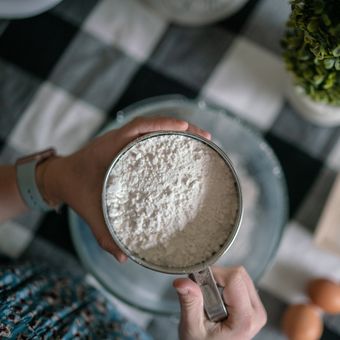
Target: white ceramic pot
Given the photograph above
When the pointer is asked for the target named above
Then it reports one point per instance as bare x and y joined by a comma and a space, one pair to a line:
15, 9
195, 12
315, 112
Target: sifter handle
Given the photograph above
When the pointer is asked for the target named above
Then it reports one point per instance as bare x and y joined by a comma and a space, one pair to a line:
213, 302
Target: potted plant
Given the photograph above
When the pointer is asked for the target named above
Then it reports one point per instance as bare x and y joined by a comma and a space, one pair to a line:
312, 56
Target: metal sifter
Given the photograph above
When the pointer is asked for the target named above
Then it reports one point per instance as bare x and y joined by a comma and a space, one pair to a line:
200, 272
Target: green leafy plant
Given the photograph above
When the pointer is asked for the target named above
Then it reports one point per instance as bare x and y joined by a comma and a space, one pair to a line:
312, 48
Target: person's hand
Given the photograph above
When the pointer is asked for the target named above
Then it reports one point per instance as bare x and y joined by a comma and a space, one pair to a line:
246, 312
77, 180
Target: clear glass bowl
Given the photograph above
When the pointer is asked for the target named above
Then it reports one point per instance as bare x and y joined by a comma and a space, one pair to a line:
265, 207
196, 12
15, 9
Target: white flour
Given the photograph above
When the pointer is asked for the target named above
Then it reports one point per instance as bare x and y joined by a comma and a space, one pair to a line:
172, 200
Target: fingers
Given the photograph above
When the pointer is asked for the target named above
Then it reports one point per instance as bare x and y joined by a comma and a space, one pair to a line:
105, 240
196, 130
143, 125
192, 312
236, 297
254, 296
108, 245
246, 312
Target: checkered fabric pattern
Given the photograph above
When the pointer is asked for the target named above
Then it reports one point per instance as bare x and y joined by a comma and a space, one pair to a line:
64, 74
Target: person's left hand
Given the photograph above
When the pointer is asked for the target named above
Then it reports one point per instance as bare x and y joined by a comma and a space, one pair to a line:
77, 180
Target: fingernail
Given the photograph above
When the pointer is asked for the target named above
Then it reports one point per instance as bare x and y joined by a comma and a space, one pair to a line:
122, 258
182, 291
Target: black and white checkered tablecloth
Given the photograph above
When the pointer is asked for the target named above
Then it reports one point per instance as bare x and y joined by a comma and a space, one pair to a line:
66, 73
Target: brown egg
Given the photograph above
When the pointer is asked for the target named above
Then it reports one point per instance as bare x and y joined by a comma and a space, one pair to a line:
325, 294
302, 322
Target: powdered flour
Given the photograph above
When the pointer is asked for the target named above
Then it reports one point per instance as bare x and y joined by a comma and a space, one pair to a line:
172, 200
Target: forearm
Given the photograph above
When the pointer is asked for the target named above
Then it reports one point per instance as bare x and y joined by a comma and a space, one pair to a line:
11, 203
48, 175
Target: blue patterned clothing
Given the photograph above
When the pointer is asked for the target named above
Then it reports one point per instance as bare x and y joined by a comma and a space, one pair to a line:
36, 303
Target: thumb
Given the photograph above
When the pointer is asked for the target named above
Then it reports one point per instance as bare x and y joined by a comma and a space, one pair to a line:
192, 312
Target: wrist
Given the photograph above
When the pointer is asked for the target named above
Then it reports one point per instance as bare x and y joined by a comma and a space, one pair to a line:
49, 180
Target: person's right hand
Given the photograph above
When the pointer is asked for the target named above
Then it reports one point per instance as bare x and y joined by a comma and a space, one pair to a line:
246, 314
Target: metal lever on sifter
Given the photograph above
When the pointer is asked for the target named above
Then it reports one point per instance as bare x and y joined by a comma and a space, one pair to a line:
212, 295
